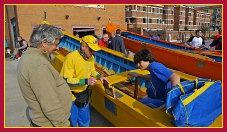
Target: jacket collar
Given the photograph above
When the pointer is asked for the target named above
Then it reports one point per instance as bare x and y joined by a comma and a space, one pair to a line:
32, 50
82, 54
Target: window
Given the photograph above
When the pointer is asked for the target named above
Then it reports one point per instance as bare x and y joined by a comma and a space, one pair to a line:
150, 20
206, 10
219, 9
144, 20
138, 8
126, 8
83, 31
181, 13
152, 10
164, 11
218, 16
181, 22
135, 7
197, 15
131, 20
144, 8
189, 14
159, 21
159, 10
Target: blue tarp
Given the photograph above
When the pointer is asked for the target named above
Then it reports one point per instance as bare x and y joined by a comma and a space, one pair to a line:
195, 103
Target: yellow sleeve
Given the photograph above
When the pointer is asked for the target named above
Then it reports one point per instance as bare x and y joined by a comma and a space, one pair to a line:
94, 73
68, 70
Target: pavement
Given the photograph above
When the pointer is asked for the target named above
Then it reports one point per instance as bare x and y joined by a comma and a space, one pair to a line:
16, 112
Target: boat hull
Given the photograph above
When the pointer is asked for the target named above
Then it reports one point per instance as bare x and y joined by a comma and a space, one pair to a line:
194, 64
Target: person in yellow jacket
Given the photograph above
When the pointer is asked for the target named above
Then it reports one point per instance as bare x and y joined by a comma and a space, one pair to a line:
79, 70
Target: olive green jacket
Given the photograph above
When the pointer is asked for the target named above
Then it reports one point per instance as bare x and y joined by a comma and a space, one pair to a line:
47, 94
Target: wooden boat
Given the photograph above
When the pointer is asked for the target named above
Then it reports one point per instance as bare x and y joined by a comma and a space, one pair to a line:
123, 109
195, 64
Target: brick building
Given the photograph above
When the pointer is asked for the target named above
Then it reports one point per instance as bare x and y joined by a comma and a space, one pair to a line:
85, 19
215, 17
144, 17
168, 20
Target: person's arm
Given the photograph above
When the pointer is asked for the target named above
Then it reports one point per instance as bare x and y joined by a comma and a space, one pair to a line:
25, 44
203, 42
122, 46
174, 79
43, 85
145, 77
188, 43
190, 39
67, 73
214, 43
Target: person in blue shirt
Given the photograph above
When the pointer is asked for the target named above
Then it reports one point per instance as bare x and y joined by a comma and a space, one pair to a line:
161, 79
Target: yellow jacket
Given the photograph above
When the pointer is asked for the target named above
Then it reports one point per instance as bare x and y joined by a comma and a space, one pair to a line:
76, 71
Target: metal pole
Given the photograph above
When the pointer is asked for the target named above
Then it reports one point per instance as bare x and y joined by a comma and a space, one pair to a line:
147, 19
44, 16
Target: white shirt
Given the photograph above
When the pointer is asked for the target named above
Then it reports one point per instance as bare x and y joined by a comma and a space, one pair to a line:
197, 42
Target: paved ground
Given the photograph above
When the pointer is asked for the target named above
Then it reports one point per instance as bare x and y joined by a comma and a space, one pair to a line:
16, 108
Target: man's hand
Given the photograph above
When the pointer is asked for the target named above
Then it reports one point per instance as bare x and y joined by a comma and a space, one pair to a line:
92, 81
134, 74
103, 78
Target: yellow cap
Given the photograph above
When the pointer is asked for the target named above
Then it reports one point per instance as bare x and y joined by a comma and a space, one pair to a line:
91, 42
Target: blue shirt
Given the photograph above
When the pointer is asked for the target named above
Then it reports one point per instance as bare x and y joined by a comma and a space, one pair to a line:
159, 79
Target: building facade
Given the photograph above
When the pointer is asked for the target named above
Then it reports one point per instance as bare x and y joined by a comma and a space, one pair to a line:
144, 17
215, 16
167, 17
85, 19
